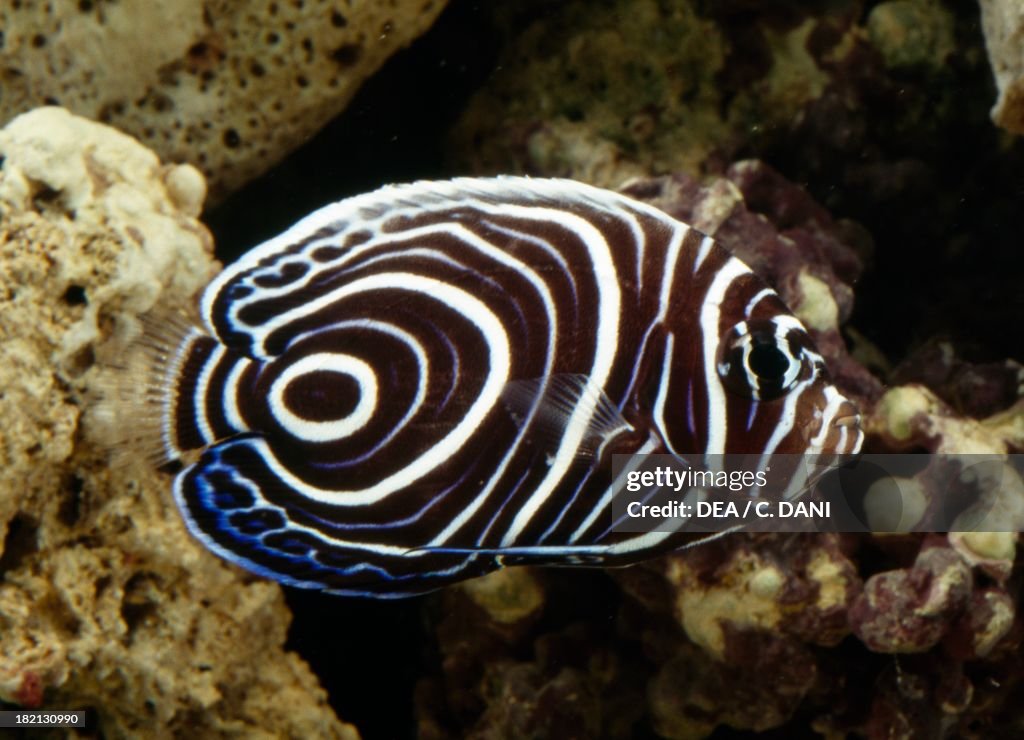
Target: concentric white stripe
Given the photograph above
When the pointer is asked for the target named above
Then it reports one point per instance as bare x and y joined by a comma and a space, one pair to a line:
833, 400
414, 345
787, 419
541, 244
601, 507
202, 390
606, 343
334, 429
702, 253
669, 272
710, 316
499, 362
471, 239
758, 297
663, 382
232, 412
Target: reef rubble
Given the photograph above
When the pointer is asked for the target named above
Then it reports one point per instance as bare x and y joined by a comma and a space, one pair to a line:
106, 602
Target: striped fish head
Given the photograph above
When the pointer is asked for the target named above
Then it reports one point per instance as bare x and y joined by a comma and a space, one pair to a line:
740, 373
778, 396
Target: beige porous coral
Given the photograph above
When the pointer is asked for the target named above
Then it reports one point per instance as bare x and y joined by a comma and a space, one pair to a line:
230, 87
105, 601
1003, 23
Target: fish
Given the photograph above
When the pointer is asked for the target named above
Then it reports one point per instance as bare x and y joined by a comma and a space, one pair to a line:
428, 382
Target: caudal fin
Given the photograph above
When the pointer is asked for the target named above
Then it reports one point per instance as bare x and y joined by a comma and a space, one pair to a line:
146, 407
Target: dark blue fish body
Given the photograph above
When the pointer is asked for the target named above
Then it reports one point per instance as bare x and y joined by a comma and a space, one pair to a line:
425, 383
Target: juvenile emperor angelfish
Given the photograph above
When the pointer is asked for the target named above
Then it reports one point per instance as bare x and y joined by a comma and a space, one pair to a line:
422, 384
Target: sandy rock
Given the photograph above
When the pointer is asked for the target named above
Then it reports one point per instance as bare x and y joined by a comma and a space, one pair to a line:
229, 87
1003, 23
106, 602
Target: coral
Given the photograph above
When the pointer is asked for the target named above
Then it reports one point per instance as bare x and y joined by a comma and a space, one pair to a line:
754, 606
909, 610
106, 602
574, 94
873, 635
796, 586
912, 416
1003, 22
877, 637
605, 91
971, 389
909, 33
502, 679
230, 87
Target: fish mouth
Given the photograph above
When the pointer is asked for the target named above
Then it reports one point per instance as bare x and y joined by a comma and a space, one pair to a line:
850, 420
839, 432
847, 425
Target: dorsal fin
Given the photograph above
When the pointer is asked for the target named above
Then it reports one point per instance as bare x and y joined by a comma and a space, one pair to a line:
324, 240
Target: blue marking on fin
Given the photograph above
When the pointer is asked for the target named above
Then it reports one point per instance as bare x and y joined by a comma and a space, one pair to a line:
266, 539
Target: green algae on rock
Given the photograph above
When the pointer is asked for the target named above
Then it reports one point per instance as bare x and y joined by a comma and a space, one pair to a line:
598, 78
911, 33
106, 602
605, 91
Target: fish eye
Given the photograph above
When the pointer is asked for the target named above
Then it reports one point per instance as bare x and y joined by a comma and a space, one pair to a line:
767, 361
759, 360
